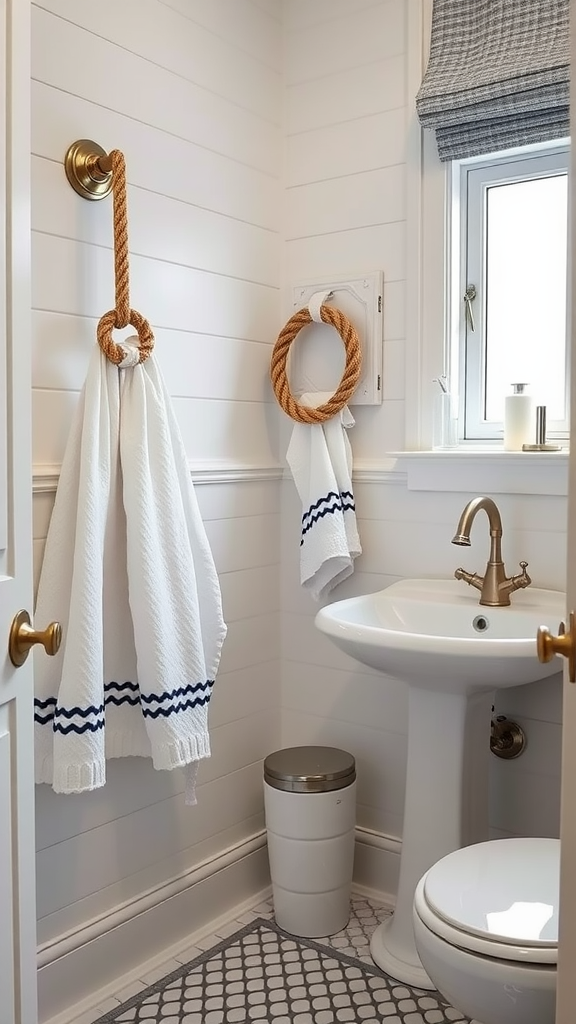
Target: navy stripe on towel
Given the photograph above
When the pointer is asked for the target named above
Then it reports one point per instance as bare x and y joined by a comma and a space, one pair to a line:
44, 710
47, 711
83, 712
181, 691
197, 702
127, 693
333, 502
121, 686
79, 730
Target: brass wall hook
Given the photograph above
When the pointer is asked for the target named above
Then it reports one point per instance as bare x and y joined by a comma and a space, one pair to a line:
89, 169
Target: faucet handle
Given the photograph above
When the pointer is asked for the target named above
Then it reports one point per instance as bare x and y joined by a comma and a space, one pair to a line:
523, 579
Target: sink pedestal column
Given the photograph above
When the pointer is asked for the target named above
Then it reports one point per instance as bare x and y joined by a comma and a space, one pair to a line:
446, 808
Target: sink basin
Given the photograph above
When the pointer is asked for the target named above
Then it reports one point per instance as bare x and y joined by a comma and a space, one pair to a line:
435, 633
453, 653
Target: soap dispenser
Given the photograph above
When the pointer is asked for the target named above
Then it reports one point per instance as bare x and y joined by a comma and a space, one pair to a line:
518, 418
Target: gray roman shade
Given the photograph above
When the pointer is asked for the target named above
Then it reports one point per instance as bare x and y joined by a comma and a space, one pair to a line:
498, 75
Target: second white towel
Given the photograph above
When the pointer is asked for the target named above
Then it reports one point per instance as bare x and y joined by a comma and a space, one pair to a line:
320, 458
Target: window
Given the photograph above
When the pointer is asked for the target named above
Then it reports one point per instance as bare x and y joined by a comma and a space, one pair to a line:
509, 281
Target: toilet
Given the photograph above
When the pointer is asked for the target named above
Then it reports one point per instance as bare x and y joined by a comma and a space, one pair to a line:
486, 929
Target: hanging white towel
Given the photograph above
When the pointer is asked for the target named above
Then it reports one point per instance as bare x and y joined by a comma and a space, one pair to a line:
320, 458
129, 574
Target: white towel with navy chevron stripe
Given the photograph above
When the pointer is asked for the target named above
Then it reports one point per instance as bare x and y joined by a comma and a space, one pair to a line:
320, 458
129, 573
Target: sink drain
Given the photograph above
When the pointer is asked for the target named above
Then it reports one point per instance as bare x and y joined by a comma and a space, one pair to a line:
480, 623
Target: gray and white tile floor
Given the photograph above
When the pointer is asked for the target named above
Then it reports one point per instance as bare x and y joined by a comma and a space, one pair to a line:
250, 972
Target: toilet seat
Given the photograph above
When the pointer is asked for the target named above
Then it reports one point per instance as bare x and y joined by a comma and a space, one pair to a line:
498, 899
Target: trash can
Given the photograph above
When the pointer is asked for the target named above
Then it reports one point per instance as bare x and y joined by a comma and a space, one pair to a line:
310, 805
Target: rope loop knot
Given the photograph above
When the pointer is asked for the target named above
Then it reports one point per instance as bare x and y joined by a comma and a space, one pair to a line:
122, 315
114, 352
350, 377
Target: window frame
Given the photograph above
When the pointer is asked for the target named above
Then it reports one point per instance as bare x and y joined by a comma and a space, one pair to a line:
471, 180
473, 466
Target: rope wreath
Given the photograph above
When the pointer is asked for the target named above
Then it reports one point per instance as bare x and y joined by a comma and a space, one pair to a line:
122, 315
350, 377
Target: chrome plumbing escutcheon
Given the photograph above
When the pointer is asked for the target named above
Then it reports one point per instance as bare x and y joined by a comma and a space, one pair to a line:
507, 738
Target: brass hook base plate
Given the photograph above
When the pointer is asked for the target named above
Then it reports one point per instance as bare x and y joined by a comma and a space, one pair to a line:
83, 171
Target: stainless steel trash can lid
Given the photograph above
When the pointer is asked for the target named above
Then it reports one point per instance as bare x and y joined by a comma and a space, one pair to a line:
309, 769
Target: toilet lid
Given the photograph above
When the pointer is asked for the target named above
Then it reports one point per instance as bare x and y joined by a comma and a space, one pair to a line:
504, 891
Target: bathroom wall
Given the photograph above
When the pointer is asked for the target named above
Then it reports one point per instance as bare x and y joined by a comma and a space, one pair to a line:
347, 169
193, 92
190, 92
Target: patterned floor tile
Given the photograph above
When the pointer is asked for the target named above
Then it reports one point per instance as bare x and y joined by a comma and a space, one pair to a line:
261, 973
354, 939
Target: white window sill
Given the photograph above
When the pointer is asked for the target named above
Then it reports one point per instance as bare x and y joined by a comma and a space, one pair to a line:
490, 470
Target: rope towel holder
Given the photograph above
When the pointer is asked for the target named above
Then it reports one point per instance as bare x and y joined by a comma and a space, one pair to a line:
350, 377
93, 173
114, 351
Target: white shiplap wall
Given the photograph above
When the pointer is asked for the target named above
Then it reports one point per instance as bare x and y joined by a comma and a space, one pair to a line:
190, 91
347, 151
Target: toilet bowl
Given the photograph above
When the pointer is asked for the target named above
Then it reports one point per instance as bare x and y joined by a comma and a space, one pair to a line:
486, 929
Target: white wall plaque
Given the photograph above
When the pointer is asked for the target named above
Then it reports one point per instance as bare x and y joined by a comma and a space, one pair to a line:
317, 357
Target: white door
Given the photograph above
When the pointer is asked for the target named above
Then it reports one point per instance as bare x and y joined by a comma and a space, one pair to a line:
566, 999
17, 897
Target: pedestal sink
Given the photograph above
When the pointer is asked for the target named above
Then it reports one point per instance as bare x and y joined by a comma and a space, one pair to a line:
453, 653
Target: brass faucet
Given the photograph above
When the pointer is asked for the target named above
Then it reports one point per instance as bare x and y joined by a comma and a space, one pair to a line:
495, 587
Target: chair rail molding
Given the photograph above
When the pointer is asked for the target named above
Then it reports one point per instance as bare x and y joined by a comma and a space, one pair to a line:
45, 476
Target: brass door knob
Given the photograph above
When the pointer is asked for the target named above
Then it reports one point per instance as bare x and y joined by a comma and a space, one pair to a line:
23, 637
564, 644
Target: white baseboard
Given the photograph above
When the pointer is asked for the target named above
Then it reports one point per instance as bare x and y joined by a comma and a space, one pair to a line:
87, 964
108, 952
377, 864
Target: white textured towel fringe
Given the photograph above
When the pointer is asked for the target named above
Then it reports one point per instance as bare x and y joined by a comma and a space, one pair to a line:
129, 574
320, 458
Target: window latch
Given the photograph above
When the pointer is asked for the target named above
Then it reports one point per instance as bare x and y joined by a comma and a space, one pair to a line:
469, 296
